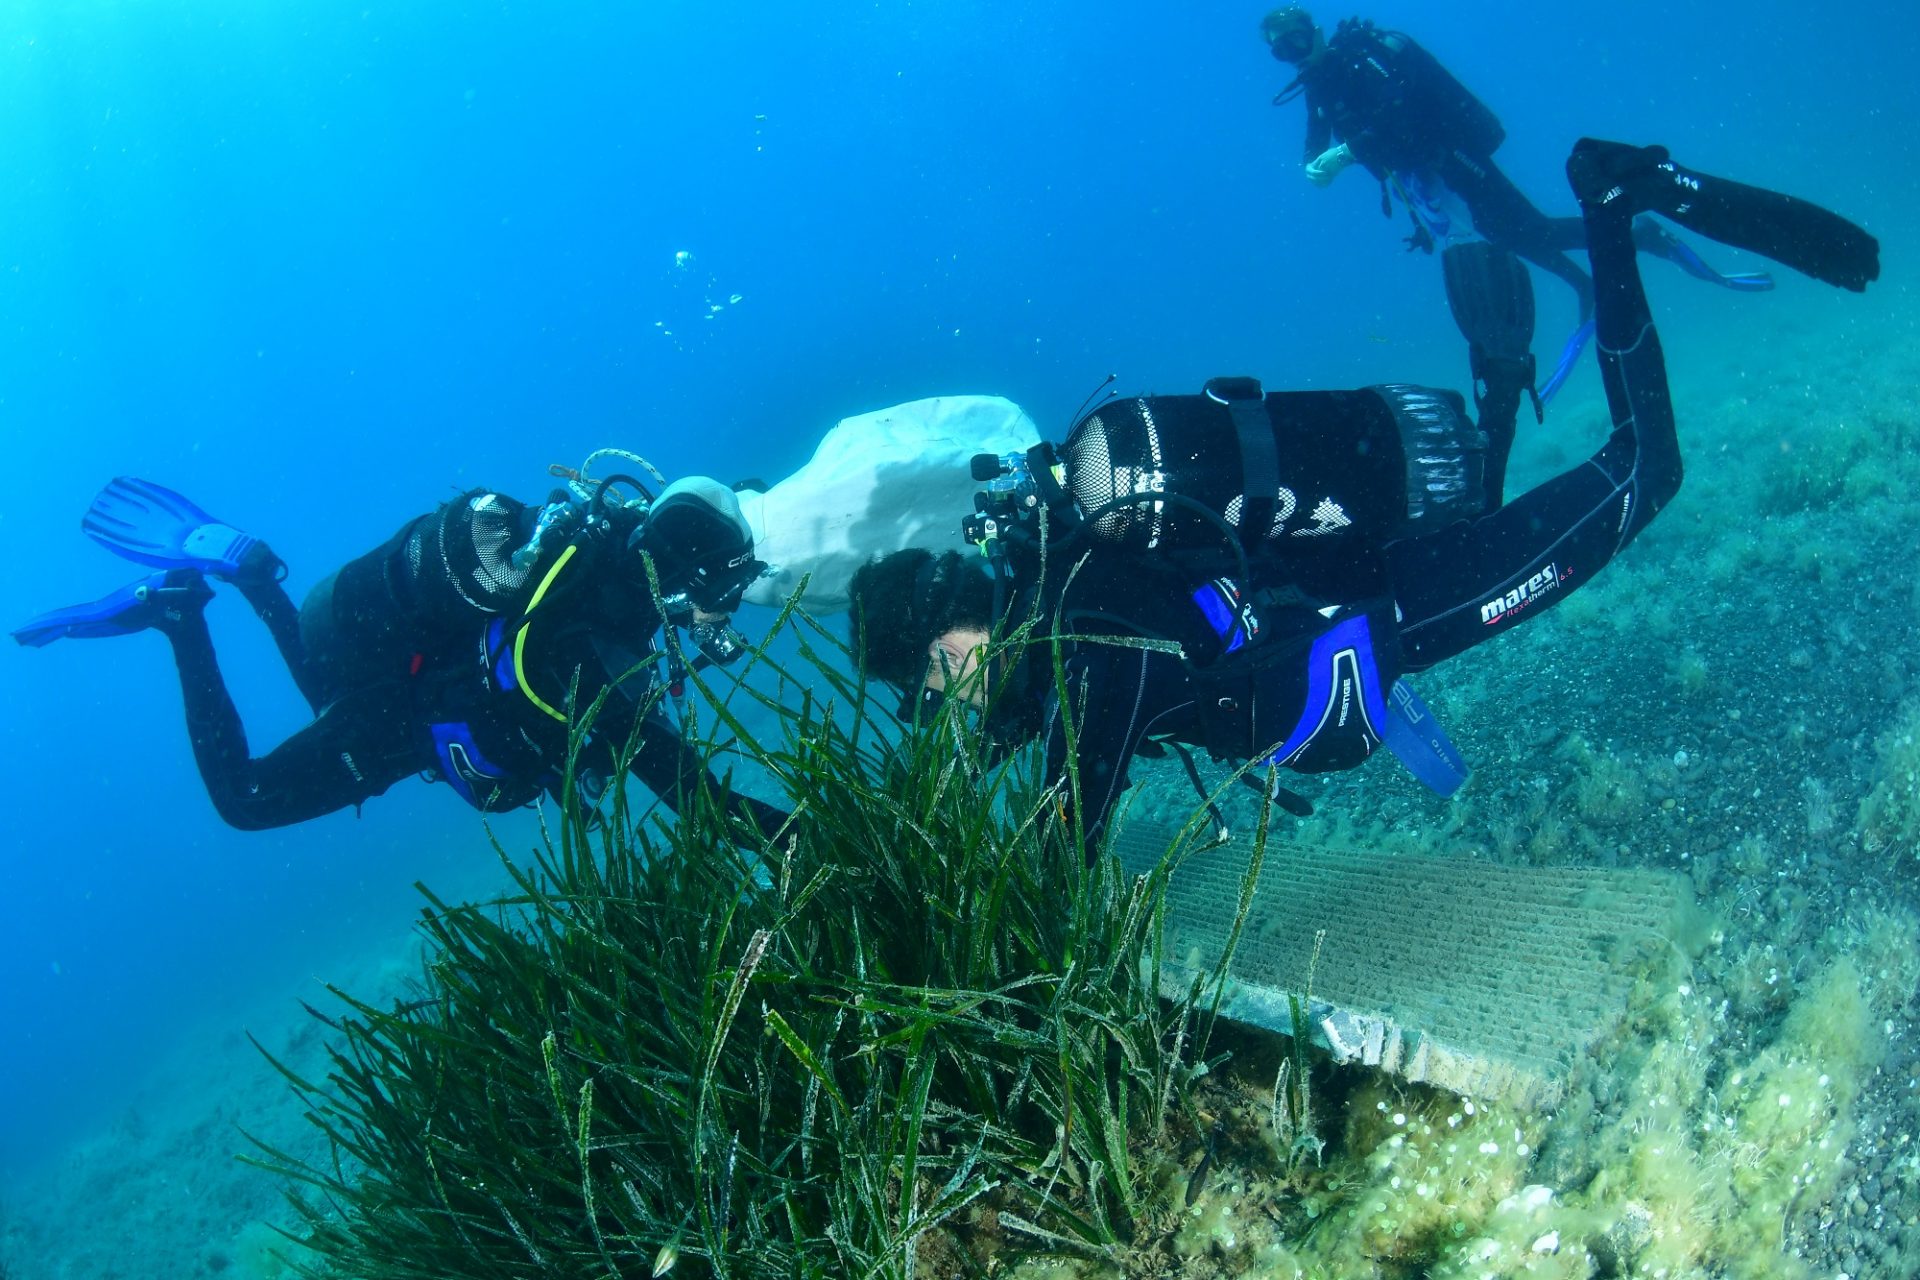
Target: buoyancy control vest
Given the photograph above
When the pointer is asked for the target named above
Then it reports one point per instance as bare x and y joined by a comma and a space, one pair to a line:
1395, 103
439, 613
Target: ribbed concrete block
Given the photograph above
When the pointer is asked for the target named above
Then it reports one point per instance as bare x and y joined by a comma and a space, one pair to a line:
1479, 978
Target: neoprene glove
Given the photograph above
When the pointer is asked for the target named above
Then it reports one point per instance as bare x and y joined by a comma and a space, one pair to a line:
1326, 166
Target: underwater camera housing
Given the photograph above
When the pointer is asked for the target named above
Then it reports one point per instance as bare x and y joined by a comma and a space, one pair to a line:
1018, 485
719, 644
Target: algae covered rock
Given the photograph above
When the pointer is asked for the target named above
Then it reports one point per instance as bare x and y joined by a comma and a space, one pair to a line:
1890, 815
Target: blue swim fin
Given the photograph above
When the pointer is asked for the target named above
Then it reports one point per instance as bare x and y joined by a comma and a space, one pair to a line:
152, 525
1413, 734
153, 600
1650, 237
1569, 356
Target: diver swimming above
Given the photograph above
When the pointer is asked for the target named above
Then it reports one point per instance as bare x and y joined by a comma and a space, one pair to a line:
1377, 99
457, 649
1295, 554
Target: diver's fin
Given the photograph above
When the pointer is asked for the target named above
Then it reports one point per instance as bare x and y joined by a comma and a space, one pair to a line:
1491, 295
152, 525
1414, 735
1569, 356
153, 601
1789, 230
1650, 237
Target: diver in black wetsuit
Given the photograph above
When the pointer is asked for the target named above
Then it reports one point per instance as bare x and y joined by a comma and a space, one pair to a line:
1385, 548
462, 648
1376, 98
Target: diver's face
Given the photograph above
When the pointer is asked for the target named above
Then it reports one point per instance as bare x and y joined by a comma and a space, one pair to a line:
958, 666
1294, 44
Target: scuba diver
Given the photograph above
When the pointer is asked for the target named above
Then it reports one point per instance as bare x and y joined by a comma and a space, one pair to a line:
1288, 557
1376, 98
464, 647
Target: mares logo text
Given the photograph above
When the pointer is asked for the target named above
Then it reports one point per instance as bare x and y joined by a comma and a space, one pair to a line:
1518, 600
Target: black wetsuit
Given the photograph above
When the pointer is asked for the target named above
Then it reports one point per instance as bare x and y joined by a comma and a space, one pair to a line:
1401, 112
1335, 636
406, 656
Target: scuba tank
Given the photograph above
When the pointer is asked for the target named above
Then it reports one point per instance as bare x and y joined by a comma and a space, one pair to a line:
1400, 98
1238, 476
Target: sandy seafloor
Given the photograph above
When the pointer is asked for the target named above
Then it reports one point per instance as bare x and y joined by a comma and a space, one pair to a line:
1735, 700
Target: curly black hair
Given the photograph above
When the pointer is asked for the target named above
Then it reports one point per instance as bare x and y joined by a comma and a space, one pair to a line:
902, 603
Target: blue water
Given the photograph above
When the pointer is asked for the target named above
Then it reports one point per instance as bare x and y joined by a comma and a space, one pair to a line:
320, 265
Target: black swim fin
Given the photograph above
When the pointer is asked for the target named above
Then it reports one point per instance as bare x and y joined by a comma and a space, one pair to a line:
1491, 296
1791, 231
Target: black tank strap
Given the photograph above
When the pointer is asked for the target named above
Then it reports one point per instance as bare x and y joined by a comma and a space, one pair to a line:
1259, 454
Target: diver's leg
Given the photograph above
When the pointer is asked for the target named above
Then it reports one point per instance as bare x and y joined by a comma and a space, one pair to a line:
1559, 264
1789, 230
261, 579
1466, 584
1504, 215
348, 754
674, 771
1515, 222
273, 606
1460, 586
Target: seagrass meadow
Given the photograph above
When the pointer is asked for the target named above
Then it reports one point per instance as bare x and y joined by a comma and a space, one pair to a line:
916, 1034
912, 1031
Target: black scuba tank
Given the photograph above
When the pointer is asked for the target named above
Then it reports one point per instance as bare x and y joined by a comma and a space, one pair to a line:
1402, 107
428, 588
1159, 474
1468, 124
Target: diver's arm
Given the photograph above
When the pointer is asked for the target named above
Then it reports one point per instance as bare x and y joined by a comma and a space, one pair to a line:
1319, 132
675, 772
1115, 699
630, 715
1328, 165
663, 760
